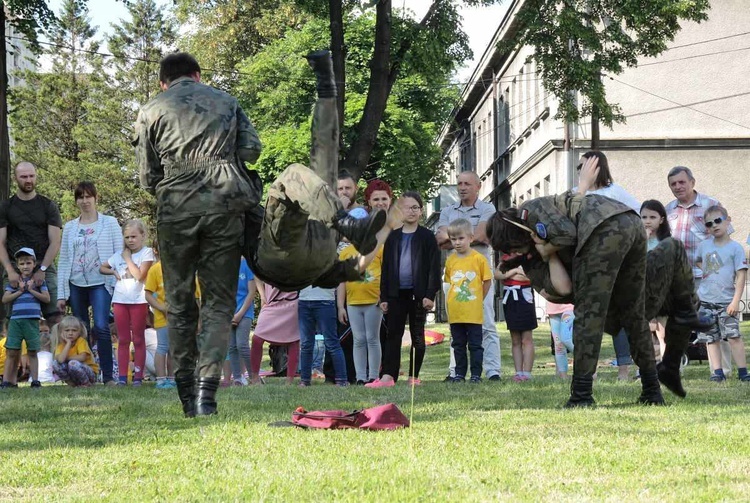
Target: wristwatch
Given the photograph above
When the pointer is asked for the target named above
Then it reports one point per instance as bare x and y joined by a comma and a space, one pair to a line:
43, 268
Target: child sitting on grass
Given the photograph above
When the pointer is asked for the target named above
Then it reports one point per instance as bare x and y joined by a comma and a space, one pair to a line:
74, 361
45, 356
724, 271
468, 273
26, 300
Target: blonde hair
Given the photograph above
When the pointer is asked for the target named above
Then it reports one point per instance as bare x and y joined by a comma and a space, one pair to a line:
66, 322
460, 227
138, 224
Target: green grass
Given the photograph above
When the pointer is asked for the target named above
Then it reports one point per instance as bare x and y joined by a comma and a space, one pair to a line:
489, 442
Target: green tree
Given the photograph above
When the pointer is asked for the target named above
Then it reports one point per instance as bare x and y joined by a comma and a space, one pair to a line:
222, 33
28, 17
576, 42
69, 122
138, 44
278, 90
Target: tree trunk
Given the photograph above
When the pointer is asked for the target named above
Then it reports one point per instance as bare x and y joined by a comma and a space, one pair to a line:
594, 128
4, 137
338, 52
377, 95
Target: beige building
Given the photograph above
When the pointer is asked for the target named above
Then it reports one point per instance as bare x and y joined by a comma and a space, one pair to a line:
690, 106
19, 59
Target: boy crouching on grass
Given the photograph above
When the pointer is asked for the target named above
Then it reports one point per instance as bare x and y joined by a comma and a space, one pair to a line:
724, 271
24, 319
468, 273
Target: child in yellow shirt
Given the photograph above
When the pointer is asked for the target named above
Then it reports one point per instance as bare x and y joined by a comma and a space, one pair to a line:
74, 361
468, 273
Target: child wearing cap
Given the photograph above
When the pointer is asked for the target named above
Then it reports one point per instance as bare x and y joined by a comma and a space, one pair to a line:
24, 319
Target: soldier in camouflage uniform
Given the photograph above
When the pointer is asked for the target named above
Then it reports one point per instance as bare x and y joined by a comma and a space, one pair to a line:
191, 145
298, 238
601, 245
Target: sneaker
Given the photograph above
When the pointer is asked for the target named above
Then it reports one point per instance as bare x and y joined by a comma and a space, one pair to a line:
238, 382
717, 378
137, 383
36, 384
413, 381
449, 378
744, 378
495, 378
163, 384
8, 385
112, 383
458, 379
360, 382
304, 384
377, 383
520, 378
475, 380
342, 384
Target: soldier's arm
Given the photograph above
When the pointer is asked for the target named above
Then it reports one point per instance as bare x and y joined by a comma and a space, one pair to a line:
248, 142
149, 165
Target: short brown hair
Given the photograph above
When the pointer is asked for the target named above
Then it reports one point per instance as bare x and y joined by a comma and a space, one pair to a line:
460, 226
84, 188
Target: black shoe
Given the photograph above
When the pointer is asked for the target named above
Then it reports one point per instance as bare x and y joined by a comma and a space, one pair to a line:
322, 65
36, 384
360, 382
495, 377
580, 392
205, 402
186, 392
694, 320
8, 385
670, 378
448, 378
651, 391
475, 380
458, 380
361, 232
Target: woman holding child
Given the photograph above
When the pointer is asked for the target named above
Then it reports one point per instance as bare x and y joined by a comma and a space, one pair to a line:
87, 242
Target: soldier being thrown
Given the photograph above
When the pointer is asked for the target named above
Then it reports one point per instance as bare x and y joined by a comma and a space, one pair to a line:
298, 238
601, 244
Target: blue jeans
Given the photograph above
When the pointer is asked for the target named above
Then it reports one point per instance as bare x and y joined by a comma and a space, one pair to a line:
99, 299
622, 348
463, 335
320, 314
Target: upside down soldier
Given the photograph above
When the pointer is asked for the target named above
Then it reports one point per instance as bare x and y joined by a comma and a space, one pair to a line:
600, 243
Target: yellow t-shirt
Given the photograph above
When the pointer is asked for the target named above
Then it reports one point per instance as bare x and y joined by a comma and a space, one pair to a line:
80, 347
366, 291
3, 355
155, 285
466, 276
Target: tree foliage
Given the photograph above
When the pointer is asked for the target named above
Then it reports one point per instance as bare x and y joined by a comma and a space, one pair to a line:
69, 122
281, 92
576, 42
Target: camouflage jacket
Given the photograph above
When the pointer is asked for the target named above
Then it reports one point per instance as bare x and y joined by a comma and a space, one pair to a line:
566, 220
191, 144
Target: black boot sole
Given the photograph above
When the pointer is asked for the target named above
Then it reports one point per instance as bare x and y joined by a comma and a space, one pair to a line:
571, 404
376, 223
671, 380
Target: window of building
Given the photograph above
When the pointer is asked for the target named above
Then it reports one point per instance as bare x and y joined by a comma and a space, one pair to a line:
545, 185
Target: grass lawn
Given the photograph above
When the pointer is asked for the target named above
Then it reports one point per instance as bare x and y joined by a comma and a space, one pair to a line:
489, 442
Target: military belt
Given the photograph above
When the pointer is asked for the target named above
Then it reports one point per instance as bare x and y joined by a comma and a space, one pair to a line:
191, 165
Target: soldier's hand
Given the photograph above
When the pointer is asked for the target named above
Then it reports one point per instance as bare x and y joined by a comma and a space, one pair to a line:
14, 278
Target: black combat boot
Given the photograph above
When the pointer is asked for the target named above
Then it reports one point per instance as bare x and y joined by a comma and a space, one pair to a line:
651, 391
205, 403
677, 339
322, 65
580, 392
361, 232
186, 392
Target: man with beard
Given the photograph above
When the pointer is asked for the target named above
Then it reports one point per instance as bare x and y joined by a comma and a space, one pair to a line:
31, 220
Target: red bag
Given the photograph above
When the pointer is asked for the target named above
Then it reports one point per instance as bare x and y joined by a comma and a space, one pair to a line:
382, 417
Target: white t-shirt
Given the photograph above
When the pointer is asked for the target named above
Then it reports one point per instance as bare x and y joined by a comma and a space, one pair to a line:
618, 193
45, 366
128, 290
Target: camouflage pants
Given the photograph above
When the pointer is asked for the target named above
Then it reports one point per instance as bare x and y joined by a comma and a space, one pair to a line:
297, 246
670, 289
210, 247
609, 276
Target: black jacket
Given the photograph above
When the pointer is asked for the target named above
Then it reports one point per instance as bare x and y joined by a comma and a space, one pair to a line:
425, 262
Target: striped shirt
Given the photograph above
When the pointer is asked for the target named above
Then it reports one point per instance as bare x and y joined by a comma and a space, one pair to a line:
688, 226
26, 306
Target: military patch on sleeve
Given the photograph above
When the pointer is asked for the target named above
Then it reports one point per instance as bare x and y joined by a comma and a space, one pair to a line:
541, 230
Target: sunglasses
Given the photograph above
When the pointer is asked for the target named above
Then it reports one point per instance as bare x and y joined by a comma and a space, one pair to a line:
716, 221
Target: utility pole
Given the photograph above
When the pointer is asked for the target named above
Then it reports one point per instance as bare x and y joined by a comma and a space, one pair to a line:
4, 136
